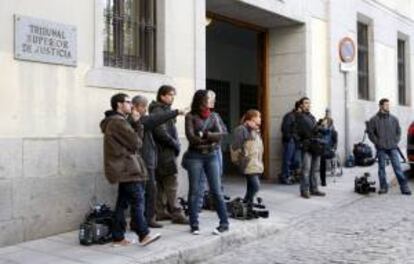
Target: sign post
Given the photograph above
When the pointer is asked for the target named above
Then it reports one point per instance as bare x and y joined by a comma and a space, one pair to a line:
347, 55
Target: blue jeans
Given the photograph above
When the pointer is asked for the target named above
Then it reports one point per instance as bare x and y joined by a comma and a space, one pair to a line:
132, 194
198, 165
289, 158
298, 157
253, 186
394, 156
309, 181
203, 179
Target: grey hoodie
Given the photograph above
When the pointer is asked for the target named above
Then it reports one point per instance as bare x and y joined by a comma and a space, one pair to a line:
384, 131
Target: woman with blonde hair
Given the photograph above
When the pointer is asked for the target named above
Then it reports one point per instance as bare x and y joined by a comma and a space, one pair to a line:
247, 152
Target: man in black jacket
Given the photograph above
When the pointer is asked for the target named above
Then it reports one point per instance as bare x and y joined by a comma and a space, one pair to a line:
289, 140
147, 124
168, 149
385, 132
307, 132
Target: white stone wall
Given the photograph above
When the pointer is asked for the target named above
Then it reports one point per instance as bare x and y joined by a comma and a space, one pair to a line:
51, 158
386, 23
287, 83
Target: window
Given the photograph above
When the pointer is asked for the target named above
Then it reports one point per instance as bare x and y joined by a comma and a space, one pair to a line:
402, 80
249, 95
363, 62
223, 103
130, 34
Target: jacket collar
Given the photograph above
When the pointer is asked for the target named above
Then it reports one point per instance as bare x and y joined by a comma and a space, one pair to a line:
382, 114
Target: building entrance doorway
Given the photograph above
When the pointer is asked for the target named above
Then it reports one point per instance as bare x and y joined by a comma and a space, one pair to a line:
236, 71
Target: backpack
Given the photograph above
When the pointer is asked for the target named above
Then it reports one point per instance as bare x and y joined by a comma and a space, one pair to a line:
235, 152
363, 154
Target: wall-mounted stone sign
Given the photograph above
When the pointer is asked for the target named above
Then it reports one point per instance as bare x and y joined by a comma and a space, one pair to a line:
44, 41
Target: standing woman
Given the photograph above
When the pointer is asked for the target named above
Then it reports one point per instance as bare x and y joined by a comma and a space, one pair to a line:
203, 132
211, 102
247, 152
330, 138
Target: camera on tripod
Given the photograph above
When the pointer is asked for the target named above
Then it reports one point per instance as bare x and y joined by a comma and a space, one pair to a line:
363, 185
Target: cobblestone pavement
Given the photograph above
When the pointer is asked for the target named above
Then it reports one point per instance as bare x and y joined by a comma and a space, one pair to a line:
376, 229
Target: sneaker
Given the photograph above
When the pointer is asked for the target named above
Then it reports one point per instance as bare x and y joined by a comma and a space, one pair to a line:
148, 239
195, 230
305, 194
317, 193
382, 191
122, 243
220, 230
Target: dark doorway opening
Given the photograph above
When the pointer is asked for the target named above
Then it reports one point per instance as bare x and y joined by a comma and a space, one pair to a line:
236, 72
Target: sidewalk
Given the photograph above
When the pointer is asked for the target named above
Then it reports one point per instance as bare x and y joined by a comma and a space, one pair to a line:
177, 245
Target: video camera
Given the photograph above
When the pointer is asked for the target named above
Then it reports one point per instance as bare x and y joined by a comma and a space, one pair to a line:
239, 209
362, 185
97, 227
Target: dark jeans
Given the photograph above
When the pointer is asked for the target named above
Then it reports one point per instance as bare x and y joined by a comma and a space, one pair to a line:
322, 170
290, 158
394, 156
132, 194
208, 164
309, 181
253, 186
150, 195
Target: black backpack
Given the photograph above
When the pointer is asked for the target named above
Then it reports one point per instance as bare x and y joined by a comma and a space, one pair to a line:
363, 153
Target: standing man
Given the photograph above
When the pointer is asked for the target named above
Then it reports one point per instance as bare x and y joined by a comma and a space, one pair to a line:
289, 140
124, 166
147, 124
385, 132
168, 147
311, 150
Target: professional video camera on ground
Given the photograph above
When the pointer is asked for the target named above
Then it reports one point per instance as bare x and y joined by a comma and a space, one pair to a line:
363, 185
